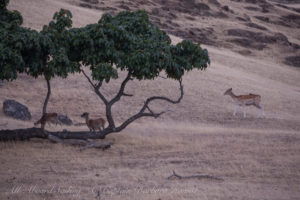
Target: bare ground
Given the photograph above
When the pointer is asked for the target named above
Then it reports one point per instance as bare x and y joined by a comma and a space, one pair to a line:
257, 158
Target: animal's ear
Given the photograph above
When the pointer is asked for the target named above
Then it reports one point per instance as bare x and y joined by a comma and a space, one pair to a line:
230, 89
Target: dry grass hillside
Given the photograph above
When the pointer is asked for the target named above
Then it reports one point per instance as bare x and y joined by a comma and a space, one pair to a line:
254, 47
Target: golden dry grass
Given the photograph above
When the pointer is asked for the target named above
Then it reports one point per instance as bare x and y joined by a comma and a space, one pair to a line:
257, 158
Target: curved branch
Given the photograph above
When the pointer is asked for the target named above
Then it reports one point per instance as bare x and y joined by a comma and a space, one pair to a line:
23, 134
142, 113
166, 98
109, 117
122, 88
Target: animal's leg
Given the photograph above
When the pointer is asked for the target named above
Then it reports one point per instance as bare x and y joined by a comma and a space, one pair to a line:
258, 106
57, 122
261, 109
235, 110
43, 126
263, 112
244, 111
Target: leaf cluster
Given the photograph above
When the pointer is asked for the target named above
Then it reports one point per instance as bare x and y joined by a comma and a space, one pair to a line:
126, 42
129, 41
23, 50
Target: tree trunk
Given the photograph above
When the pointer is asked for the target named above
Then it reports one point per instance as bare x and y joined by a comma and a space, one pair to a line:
47, 97
25, 134
21, 134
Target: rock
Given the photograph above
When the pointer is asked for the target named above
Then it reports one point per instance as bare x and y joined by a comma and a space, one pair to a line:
64, 119
16, 110
226, 8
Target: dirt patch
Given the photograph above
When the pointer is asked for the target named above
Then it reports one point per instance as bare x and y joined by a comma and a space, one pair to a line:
204, 36
293, 61
248, 43
292, 20
289, 8
90, 1
253, 25
215, 2
259, 37
286, 1
263, 18
252, 8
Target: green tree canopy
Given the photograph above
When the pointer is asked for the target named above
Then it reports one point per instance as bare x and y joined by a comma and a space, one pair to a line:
125, 42
130, 42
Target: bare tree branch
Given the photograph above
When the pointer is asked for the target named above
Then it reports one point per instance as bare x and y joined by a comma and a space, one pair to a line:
166, 98
142, 113
99, 85
122, 88
96, 88
127, 95
197, 176
68, 141
155, 115
88, 78
99, 145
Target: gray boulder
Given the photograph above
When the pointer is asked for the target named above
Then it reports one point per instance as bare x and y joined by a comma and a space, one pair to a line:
64, 119
16, 110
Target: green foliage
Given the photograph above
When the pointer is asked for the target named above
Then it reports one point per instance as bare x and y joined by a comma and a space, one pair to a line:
9, 18
127, 41
43, 53
11, 43
55, 47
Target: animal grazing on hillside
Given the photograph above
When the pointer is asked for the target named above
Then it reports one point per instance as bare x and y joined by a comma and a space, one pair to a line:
245, 100
93, 124
48, 118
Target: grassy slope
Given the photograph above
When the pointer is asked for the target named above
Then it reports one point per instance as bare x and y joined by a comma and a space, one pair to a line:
258, 158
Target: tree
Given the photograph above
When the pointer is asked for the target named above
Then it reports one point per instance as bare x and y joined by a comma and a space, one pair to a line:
126, 42
130, 42
35, 53
55, 51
